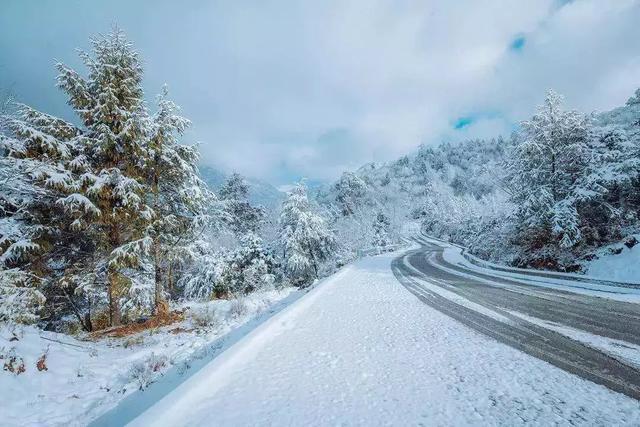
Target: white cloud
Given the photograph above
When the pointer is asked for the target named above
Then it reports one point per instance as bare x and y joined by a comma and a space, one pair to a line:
281, 90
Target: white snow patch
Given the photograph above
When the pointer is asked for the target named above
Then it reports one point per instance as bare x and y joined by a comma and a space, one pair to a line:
85, 378
624, 266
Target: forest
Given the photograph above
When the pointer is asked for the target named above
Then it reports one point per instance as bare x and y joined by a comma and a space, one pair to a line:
108, 221
565, 184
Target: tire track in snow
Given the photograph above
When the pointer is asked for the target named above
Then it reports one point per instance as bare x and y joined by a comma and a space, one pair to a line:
423, 278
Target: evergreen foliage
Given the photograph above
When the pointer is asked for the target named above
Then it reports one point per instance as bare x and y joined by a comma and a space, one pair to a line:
93, 215
304, 236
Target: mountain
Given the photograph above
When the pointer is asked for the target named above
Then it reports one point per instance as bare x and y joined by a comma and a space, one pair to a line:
260, 192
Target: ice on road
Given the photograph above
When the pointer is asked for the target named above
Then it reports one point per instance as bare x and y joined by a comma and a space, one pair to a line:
360, 349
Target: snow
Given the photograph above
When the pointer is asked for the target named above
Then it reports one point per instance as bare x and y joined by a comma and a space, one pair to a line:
625, 352
85, 378
452, 296
624, 266
17, 249
78, 202
360, 349
453, 255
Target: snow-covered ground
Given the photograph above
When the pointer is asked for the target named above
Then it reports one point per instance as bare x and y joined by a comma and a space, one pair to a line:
361, 350
624, 266
84, 378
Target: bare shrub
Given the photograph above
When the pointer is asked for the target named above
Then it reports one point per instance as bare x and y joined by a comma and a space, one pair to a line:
204, 316
13, 363
144, 372
41, 364
238, 308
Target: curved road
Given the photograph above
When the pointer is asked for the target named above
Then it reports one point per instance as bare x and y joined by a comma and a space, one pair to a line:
536, 320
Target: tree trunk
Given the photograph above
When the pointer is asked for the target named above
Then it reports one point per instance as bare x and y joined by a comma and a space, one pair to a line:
115, 318
87, 317
553, 177
114, 283
170, 286
85, 321
161, 305
314, 263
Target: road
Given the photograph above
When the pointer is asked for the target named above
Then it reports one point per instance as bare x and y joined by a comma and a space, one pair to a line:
530, 318
359, 349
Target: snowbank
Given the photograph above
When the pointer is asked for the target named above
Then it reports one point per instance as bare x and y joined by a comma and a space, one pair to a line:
624, 266
83, 378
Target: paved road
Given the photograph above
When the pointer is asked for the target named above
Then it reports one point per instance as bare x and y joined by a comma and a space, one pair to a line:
505, 309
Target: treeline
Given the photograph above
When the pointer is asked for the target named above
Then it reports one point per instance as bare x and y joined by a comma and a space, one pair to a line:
107, 220
574, 181
561, 186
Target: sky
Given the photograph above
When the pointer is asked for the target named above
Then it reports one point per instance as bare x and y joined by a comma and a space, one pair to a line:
281, 90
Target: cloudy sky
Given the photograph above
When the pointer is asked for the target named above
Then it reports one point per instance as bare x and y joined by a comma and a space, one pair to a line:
281, 90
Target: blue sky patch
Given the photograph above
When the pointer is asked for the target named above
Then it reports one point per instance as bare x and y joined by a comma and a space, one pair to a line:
518, 43
462, 122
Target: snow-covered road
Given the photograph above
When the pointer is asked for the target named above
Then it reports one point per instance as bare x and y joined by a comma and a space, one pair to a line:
361, 350
589, 329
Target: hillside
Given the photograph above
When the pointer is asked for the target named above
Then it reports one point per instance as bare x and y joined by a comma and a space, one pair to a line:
476, 192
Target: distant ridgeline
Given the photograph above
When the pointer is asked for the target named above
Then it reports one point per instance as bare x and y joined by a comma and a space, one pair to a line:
561, 186
260, 192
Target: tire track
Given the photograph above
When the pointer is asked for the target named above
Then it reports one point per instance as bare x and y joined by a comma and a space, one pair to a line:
547, 345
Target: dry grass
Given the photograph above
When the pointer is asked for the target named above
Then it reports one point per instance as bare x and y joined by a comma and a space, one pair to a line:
162, 319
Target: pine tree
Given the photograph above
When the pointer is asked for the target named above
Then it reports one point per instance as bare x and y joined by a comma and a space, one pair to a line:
177, 195
250, 267
350, 192
110, 104
201, 277
304, 236
40, 206
20, 298
545, 173
635, 99
381, 228
241, 217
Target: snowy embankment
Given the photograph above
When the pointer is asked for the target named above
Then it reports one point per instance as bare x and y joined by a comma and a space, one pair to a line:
617, 262
81, 379
360, 349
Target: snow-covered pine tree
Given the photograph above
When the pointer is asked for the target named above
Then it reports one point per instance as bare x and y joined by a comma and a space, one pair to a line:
109, 102
304, 236
177, 195
544, 174
350, 192
201, 280
241, 217
632, 152
381, 228
41, 207
619, 149
250, 267
634, 99
632, 162
20, 298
